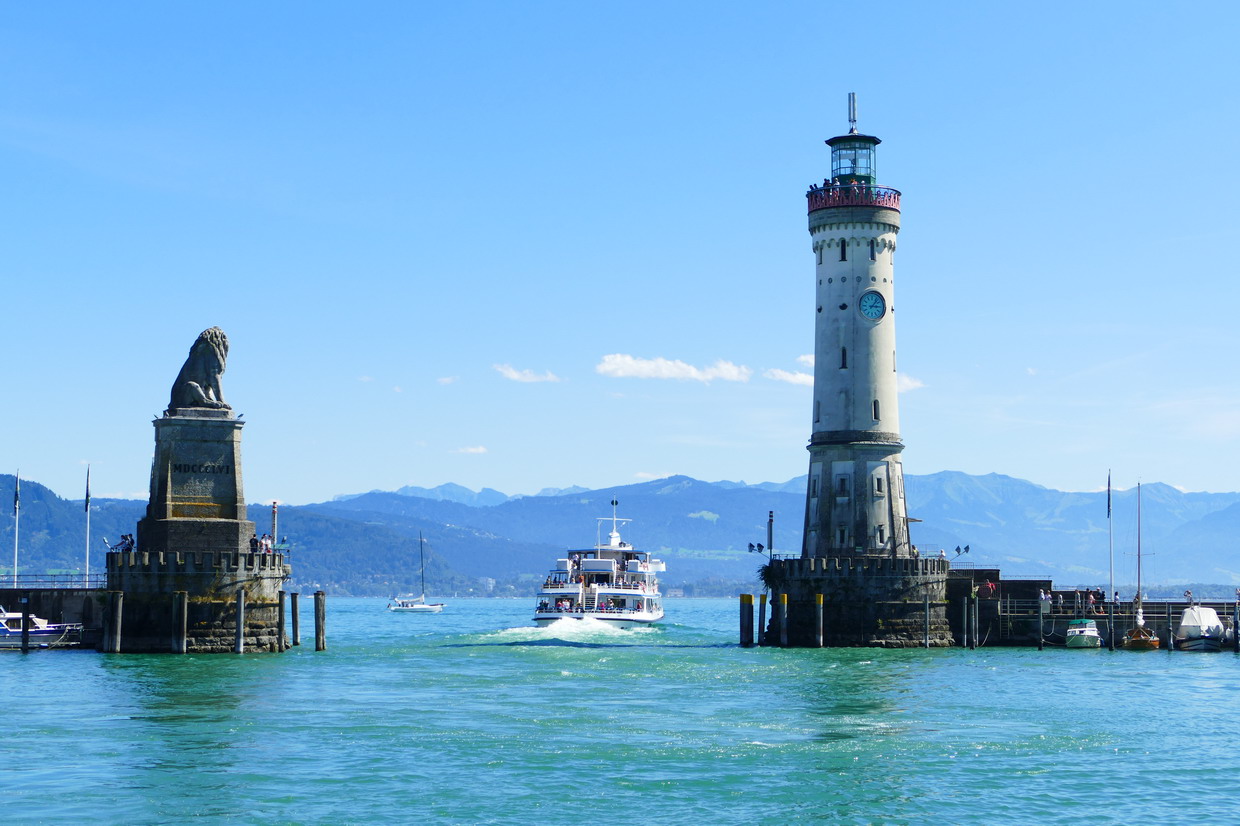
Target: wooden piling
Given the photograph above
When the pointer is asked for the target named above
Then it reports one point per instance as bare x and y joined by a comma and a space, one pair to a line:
25, 603
280, 625
1041, 622
112, 645
1235, 627
296, 617
746, 620
818, 636
964, 622
1111, 626
239, 640
762, 618
320, 621
973, 615
925, 628
180, 621
783, 620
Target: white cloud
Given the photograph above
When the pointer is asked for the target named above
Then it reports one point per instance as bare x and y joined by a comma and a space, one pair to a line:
477, 449
510, 372
775, 374
1031, 371
447, 379
906, 383
807, 359
396, 389
619, 365
648, 476
365, 378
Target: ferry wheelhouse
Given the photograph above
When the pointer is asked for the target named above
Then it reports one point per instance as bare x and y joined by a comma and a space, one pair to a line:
612, 582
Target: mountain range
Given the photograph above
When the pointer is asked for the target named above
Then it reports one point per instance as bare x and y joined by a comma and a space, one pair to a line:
368, 543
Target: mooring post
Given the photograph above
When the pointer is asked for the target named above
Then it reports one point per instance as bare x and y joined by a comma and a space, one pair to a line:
296, 617
783, 620
818, 630
239, 641
1041, 621
1170, 632
280, 625
180, 621
1235, 627
320, 621
762, 618
746, 620
964, 622
25, 602
113, 643
1111, 626
973, 614
925, 628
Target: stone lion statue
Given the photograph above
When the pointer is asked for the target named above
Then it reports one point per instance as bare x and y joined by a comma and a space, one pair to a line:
198, 383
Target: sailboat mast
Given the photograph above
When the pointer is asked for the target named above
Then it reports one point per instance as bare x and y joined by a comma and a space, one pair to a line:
1138, 542
422, 561
1110, 538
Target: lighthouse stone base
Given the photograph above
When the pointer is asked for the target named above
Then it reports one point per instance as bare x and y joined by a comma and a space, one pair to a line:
867, 602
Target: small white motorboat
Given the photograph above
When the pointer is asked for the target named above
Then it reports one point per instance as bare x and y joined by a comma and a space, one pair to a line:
1200, 630
1083, 633
40, 632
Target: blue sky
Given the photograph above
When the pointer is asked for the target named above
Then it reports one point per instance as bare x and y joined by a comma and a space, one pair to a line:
528, 245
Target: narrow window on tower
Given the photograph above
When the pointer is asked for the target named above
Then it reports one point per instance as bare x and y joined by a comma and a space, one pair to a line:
820, 253
841, 486
876, 410
882, 535
843, 358
813, 487
878, 486
843, 250
817, 409
873, 251
843, 536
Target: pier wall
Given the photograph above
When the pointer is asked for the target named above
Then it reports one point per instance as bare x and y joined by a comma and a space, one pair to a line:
867, 601
149, 582
84, 605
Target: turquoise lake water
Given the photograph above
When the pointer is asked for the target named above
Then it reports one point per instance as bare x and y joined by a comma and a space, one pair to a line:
475, 716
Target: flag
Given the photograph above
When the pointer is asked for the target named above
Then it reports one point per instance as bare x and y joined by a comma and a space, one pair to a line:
1108, 494
17, 494
88, 488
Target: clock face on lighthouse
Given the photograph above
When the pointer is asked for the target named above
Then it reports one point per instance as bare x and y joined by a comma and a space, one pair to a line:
872, 306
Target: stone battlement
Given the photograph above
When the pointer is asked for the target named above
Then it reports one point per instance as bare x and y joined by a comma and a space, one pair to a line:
196, 561
837, 566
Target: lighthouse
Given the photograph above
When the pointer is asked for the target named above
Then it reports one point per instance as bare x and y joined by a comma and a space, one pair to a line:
855, 494
858, 581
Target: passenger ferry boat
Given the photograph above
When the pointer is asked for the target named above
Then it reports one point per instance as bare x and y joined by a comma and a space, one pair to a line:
613, 583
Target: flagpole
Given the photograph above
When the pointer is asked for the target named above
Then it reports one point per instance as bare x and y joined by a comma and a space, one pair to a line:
86, 582
17, 515
1110, 537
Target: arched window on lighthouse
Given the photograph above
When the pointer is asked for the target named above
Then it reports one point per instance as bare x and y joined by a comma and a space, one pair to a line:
820, 253
843, 249
873, 251
876, 416
843, 358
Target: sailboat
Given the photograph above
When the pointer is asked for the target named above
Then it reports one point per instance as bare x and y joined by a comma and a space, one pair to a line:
1139, 638
418, 604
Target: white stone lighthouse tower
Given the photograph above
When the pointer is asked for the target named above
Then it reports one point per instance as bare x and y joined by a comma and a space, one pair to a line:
855, 498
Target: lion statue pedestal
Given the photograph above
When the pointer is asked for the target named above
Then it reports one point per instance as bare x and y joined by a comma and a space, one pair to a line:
195, 536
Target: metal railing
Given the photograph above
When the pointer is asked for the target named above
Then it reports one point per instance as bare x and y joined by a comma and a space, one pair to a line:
825, 197
51, 581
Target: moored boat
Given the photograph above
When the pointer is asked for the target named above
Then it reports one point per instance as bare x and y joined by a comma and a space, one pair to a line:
41, 633
1200, 630
1139, 638
613, 583
1083, 633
